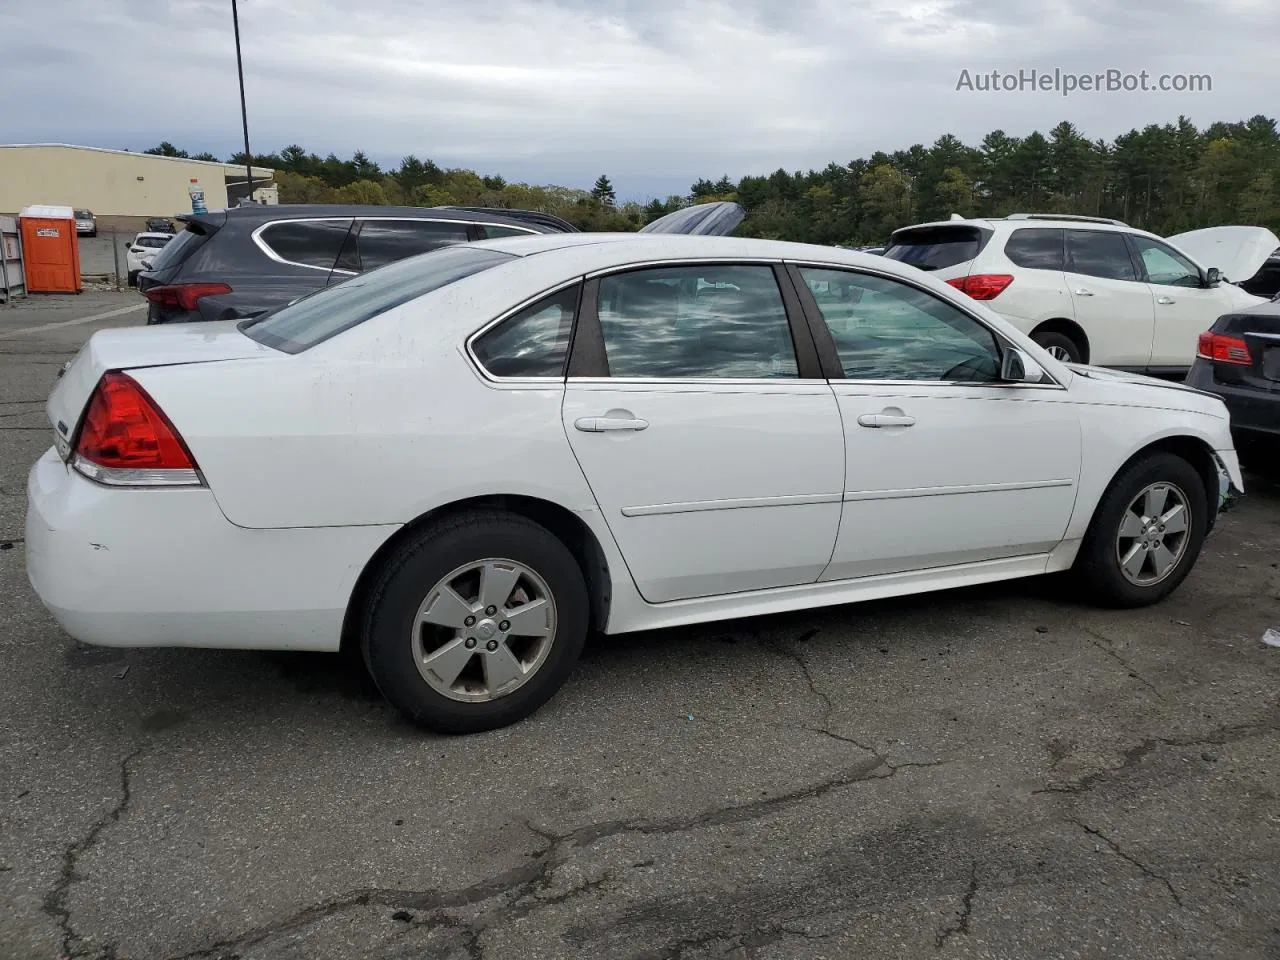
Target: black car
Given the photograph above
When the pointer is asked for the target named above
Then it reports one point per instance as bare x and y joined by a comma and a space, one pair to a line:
1239, 359
242, 262
159, 225
1266, 282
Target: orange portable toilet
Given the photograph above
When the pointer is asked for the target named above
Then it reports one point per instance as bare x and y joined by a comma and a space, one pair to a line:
50, 249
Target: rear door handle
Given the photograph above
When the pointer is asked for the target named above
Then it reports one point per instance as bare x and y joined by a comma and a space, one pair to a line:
1165, 300
1082, 292
603, 424
885, 420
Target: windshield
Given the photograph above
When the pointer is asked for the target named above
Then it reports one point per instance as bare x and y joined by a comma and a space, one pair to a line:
82, 214
154, 242
326, 313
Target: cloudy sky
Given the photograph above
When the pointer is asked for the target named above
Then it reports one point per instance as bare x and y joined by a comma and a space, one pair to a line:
655, 93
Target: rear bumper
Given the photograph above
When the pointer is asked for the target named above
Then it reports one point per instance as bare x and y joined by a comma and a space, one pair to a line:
151, 568
1252, 411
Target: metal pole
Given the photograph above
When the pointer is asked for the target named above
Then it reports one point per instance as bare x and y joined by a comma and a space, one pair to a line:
115, 255
244, 111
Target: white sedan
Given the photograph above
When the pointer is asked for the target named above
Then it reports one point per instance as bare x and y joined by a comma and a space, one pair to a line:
465, 461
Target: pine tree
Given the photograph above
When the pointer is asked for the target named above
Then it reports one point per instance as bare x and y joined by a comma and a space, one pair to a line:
603, 191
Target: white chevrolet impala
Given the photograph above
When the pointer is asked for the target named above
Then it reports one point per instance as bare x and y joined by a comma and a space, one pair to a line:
467, 460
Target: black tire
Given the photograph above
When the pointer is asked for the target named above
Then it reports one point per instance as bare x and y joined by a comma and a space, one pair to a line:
1052, 342
133, 278
1098, 565
414, 570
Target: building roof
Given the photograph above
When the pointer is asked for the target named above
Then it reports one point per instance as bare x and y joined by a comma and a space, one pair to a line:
257, 171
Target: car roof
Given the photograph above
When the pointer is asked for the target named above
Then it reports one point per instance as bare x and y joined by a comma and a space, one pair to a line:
1030, 219
154, 233
261, 213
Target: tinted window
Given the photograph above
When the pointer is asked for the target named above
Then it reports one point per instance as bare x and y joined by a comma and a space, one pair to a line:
933, 248
182, 246
491, 231
328, 312
705, 321
154, 242
386, 241
1036, 249
886, 330
1165, 265
313, 243
534, 342
1097, 254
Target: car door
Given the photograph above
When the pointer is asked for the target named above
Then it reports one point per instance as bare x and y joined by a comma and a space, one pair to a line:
1185, 306
1112, 305
705, 428
945, 464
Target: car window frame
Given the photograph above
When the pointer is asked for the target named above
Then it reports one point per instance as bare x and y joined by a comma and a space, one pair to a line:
1135, 262
833, 367
256, 235
588, 360
574, 326
1145, 276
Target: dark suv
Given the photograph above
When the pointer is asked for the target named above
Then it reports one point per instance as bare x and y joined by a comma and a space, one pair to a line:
241, 262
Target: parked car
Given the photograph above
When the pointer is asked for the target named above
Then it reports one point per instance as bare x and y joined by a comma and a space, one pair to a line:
242, 262
160, 225
86, 223
1239, 360
1092, 290
142, 251
1266, 282
465, 460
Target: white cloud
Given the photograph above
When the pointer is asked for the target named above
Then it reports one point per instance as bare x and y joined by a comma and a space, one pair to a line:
655, 93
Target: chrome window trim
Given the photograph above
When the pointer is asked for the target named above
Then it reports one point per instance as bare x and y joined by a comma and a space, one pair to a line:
271, 254
887, 275
469, 343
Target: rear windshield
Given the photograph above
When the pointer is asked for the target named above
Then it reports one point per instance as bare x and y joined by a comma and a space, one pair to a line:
935, 248
180, 247
327, 312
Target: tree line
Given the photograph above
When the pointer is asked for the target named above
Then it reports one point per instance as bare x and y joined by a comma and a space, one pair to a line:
1163, 178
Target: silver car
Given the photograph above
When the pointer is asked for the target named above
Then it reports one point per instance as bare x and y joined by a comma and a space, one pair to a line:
86, 224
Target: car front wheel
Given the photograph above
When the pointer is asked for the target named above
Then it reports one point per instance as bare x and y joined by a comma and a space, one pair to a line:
1147, 532
476, 622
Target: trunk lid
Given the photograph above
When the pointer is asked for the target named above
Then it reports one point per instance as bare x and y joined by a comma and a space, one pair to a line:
132, 349
717, 219
1259, 328
1237, 252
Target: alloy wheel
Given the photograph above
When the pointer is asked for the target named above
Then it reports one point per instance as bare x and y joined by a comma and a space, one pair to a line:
1153, 535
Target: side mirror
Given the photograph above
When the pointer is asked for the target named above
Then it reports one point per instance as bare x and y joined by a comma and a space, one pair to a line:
1212, 277
1017, 367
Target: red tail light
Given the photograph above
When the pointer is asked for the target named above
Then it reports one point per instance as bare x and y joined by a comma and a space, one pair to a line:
1220, 349
982, 286
125, 439
183, 296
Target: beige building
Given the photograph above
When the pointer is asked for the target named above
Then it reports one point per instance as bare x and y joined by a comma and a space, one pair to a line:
118, 183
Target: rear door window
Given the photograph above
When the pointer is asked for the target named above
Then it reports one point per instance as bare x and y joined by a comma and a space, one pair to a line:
386, 241
306, 243
1097, 253
326, 313
492, 231
1036, 249
936, 248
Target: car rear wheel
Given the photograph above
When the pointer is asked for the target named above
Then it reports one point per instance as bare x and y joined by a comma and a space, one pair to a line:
1060, 346
133, 277
1146, 534
476, 622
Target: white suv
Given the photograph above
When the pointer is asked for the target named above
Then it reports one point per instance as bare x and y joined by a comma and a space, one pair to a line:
1091, 290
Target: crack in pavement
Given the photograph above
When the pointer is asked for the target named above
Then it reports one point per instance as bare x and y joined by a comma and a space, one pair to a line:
961, 923
55, 900
1099, 641
522, 884
1093, 831
1135, 754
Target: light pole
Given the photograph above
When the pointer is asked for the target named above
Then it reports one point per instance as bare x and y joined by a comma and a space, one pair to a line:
244, 112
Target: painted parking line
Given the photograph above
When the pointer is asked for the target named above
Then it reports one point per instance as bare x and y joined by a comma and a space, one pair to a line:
118, 312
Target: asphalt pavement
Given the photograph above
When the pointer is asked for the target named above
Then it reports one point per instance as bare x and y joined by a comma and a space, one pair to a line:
1001, 772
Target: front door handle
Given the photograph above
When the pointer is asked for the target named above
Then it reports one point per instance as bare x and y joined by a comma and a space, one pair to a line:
1165, 300
885, 420
1082, 292
603, 424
